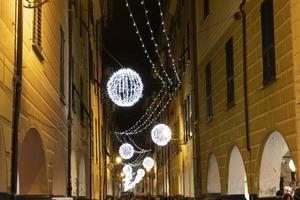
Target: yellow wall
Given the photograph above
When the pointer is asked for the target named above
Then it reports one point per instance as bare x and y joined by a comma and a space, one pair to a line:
271, 108
42, 110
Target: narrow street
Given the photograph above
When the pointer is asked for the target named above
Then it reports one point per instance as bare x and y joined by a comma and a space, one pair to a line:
149, 99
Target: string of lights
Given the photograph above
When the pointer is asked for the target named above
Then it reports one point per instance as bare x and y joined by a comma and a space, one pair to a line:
129, 131
150, 61
143, 44
168, 42
146, 112
146, 123
153, 40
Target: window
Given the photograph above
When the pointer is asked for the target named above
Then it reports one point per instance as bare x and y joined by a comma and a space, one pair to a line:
37, 32
187, 118
208, 92
229, 73
268, 45
62, 63
205, 8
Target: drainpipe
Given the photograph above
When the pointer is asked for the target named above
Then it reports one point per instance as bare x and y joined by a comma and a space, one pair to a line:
242, 10
246, 107
17, 93
195, 99
69, 184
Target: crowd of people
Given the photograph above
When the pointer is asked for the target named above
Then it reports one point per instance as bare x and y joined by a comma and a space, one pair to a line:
288, 194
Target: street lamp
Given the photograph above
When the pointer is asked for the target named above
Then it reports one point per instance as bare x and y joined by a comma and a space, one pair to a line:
118, 160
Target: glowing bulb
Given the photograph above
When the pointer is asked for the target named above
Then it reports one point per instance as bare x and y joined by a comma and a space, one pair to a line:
126, 151
161, 134
125, 87
148, 163
118, 160
140, 172
127, 169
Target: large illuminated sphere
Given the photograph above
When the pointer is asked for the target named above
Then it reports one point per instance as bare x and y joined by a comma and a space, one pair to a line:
161, 134
127, 169
126, 151
125, 87
141, 173
148, 163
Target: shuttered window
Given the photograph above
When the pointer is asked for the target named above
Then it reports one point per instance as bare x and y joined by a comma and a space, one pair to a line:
37, 32
229, 72
208, 92
268, 44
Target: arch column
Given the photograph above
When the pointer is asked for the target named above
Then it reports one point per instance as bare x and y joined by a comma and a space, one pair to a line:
32, 165
275, 167
237, 178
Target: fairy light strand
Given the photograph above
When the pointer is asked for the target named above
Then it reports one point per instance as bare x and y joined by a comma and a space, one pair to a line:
153, 40
168, 42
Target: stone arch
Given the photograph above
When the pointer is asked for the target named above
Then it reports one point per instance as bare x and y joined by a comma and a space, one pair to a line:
274, 165
82, 178
32, 165
60, 176
213, 176
74, 174
237, 178
3, 170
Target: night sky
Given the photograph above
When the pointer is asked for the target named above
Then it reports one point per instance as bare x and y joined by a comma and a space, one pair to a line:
121, 40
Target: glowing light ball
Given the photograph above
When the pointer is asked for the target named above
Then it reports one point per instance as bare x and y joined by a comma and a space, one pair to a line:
161, 134
127, 169
126, 151
140, 172
125, 87
148, 163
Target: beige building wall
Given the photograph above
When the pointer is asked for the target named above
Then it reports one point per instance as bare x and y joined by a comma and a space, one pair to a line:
272, 108
176, 160
42, 109
43, 120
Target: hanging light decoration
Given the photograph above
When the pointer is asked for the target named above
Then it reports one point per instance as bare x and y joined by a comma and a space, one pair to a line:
125, 87
148, 163
161, 134
126, 151
127, 169
141, 173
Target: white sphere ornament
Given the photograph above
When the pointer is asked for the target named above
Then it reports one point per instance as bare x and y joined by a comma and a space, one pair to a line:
161, 134
126, 151
125, 87
127, 169
141, 173
148, 163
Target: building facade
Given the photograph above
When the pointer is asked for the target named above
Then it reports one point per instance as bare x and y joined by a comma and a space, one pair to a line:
245, 113
60, 117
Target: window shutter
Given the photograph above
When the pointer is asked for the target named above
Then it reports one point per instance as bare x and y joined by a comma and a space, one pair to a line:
268, 44
230, 72
208, 92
